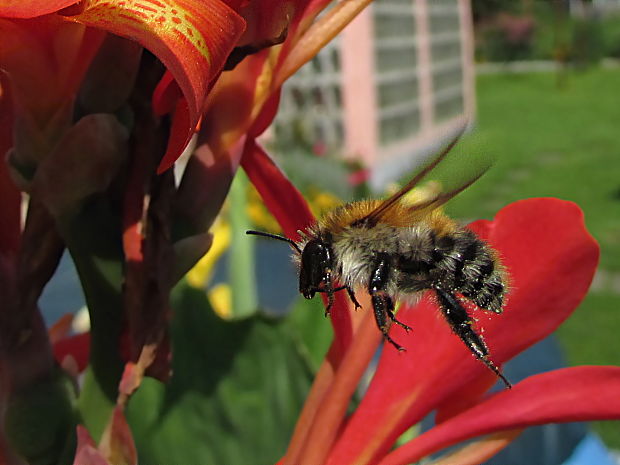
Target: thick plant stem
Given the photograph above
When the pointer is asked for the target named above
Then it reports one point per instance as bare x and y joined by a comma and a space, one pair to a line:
241, 258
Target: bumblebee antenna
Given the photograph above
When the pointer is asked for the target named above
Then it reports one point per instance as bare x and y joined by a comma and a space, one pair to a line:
291, 242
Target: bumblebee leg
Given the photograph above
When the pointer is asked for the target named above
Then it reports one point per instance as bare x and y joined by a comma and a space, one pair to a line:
330, 292
341, 288
381, 302
390, 312
353, 299
461, 324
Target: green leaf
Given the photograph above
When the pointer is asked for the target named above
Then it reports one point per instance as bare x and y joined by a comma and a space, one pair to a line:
39, 421
313, 329
235, 394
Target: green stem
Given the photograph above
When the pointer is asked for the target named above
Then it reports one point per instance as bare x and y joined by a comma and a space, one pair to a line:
241, 254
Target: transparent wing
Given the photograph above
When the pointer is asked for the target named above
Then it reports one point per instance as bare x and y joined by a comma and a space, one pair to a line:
434, 201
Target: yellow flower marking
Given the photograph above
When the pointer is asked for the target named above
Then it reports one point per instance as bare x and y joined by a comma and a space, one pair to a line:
164, 18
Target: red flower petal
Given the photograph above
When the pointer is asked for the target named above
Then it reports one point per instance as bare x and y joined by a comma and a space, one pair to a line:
551, 259
45, 59
479, 451
179, 137
192, 38
31, 8
570, 394
166, 95
282, 199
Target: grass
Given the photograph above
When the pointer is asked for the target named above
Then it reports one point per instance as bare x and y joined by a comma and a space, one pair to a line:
560, 142
550, 141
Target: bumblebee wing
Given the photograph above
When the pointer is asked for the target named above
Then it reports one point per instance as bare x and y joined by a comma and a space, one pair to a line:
439, 199
374, 216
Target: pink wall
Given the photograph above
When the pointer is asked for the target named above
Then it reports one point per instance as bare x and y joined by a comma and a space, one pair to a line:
360, 112
358, 90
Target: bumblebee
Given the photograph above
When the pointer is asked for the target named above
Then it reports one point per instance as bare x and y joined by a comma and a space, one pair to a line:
397, 251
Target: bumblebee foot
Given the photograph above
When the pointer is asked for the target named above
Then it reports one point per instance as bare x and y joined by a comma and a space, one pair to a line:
402, 325
394, 343
353, 299
390, 312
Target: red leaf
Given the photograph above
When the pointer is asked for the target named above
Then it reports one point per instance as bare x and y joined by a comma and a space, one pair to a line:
551, 259
566, 395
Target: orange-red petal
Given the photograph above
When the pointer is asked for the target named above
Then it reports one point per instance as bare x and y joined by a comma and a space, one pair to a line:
31, 8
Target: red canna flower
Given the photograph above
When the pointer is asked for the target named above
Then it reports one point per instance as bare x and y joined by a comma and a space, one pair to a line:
551, 259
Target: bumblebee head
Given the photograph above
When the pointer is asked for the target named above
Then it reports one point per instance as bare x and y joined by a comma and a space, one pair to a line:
315, 263
315, 266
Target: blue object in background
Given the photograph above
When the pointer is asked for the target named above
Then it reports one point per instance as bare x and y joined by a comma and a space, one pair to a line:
591, 451
63, 293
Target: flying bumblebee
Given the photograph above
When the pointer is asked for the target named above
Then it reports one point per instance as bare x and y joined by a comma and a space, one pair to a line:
396, 251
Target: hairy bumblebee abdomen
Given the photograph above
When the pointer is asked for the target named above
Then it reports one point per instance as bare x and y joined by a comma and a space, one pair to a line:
458, 261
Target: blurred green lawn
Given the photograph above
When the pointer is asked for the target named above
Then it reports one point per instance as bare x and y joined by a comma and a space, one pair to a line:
550, 141
560, 141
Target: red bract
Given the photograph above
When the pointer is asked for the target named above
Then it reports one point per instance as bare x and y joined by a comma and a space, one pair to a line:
551, 260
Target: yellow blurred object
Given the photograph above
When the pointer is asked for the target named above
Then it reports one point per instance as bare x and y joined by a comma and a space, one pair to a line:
322, 202
201, 273
424, 192
258, 213
220, 297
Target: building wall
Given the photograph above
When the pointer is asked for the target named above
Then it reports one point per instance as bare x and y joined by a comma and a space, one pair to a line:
397, 84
